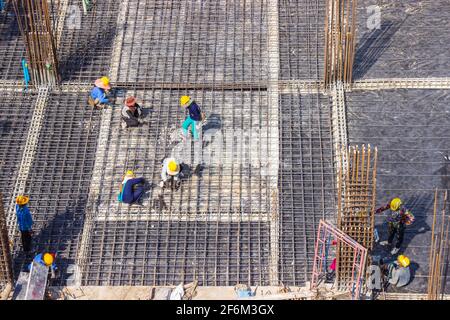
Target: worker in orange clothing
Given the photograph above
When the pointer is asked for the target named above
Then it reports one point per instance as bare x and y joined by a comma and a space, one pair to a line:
398, 218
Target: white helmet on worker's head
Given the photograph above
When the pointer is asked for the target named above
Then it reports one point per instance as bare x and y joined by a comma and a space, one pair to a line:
173, 168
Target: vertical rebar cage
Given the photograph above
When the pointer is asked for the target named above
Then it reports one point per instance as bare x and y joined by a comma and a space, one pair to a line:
6, 275
356, 266
356, 204
34, 21
340, 44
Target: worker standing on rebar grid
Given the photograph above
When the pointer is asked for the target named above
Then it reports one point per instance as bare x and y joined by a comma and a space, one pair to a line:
131, 113
132, 189
98, 97
398, 218
171, 174
194, 118
24, 221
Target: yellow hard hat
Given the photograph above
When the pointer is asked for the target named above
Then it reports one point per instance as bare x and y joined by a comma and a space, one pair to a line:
48, 259
184, 100
22, 200
403, 261
130, 173
105, 80
395, 204
172, 167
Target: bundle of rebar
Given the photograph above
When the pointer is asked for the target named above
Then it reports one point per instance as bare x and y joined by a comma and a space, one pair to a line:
340, 41
439, 246
34, 21
6, 274
356, 204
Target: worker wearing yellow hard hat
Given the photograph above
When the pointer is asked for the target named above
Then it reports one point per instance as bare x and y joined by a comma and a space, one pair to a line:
132, 189
398, 272
171, 172
398, 218
194, 118
46, 259
98, 97
24, 221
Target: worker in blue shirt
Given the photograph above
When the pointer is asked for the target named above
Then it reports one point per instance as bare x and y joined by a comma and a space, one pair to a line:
194, 117
98, 97
46, 259
24, 221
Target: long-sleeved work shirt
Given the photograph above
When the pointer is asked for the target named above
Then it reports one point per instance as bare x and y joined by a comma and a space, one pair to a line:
131, 118
99, 95
164, 175
24, 219
400, 276
194, 111
401, 216
40, 259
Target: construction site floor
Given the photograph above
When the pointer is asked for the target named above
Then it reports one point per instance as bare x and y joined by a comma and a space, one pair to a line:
264, 173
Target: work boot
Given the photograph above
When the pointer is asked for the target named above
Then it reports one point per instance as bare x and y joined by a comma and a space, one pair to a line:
384, 243
124, 125
395, 251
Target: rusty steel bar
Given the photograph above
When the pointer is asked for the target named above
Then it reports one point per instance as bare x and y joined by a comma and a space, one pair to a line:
6, 273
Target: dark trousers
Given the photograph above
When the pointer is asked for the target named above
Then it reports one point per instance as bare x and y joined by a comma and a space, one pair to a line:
26, 240
396, 229
133, 190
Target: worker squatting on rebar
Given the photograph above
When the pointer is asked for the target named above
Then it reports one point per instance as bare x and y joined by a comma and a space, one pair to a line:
395, 272
24, 221
132, 189
100, 95
194, 119
132, 115
46, 259
171, 174
398, 218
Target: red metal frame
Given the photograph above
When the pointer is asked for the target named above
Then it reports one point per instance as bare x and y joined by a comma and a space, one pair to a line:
359, 261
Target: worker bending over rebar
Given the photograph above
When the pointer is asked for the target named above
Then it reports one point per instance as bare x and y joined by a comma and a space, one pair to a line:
98, 97
131, 113
171, 174
398, 218
132, 189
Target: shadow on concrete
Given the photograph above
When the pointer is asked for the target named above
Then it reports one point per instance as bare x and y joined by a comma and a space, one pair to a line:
372, 46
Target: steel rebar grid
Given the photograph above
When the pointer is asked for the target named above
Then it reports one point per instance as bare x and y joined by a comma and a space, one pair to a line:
35, 26
356, 205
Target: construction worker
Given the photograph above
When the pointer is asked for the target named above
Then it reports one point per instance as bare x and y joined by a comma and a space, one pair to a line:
98, 97
194, 117
398, 218
171, 173
399, 273
131, 113
46, 259
131, 189
24, 221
